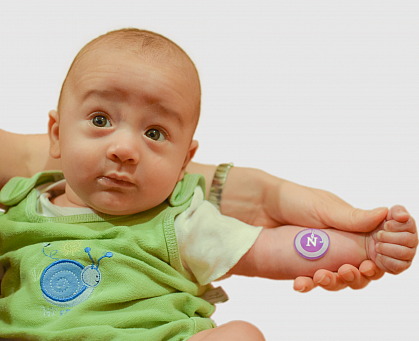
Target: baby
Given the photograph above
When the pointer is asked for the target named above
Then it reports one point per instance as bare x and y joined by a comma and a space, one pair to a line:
125, 247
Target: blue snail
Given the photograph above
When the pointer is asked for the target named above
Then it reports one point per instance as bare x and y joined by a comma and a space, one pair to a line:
66, 283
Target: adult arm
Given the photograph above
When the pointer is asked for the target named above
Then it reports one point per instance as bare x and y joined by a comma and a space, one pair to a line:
24, 155
261, 199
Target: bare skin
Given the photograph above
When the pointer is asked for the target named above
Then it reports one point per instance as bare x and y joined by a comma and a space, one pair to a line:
392, 246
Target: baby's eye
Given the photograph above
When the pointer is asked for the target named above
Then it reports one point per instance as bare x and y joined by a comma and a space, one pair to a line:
155, 135
101, 121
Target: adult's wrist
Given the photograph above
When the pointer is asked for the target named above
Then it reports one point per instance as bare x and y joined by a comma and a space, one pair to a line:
246, 195
218, 183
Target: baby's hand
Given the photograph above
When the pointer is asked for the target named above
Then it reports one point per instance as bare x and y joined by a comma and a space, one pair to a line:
392, 245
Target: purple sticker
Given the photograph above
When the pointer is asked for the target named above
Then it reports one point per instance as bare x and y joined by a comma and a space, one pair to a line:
311, 243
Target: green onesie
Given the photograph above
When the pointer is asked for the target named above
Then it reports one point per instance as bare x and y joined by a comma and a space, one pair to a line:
96, 277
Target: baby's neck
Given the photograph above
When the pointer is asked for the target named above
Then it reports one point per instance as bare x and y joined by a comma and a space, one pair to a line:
63, 201
68, 199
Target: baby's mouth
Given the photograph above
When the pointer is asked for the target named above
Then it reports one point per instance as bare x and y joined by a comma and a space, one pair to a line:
109, 181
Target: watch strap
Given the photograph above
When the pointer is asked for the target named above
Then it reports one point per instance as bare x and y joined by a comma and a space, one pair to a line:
218, 183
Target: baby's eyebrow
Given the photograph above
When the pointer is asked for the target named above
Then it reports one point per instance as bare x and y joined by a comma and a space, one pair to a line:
120, 95
115, 94
164, 111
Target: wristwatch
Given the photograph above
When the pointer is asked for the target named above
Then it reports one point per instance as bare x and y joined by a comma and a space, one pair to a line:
218, 183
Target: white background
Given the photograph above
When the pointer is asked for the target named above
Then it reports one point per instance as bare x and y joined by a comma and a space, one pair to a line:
323, 93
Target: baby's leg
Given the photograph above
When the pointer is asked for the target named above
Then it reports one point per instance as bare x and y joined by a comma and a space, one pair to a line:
392, 245
232, 331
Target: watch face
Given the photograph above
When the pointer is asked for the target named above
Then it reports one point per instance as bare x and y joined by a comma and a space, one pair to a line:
311, 243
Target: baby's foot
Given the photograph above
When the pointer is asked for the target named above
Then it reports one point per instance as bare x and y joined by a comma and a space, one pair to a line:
392, 245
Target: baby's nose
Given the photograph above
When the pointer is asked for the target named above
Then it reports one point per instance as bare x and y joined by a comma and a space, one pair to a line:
124, 149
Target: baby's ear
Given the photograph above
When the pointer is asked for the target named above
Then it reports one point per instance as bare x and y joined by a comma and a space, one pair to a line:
54, 134
189, 155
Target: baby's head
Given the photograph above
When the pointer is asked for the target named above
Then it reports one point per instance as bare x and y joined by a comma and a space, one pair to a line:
126, 117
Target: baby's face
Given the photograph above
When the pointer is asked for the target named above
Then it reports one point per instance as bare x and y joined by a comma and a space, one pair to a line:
125, 131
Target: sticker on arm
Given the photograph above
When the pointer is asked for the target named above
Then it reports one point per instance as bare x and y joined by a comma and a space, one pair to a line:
312, 244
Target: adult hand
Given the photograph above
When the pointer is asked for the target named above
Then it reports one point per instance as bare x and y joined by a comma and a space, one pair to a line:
290, 203
347, 276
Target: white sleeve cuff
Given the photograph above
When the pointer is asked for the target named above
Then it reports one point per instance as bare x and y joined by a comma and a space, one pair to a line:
210, 243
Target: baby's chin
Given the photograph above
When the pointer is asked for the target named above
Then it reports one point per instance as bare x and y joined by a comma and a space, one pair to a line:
121, 202
121, 209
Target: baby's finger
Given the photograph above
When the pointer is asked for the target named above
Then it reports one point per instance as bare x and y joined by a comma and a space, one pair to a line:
395, 251
398, 213
304, 284
400, 238
391, 265
394, 226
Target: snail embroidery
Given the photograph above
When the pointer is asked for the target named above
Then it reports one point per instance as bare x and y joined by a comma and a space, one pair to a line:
66, 283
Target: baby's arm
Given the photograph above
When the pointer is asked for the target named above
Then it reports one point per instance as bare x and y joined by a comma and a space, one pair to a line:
273, 254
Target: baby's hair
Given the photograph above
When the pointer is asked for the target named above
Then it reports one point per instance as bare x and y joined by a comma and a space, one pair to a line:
149, 46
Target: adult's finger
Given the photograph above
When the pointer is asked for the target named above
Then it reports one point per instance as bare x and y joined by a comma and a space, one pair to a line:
370, 270
328, 280
304, 284
347, 218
